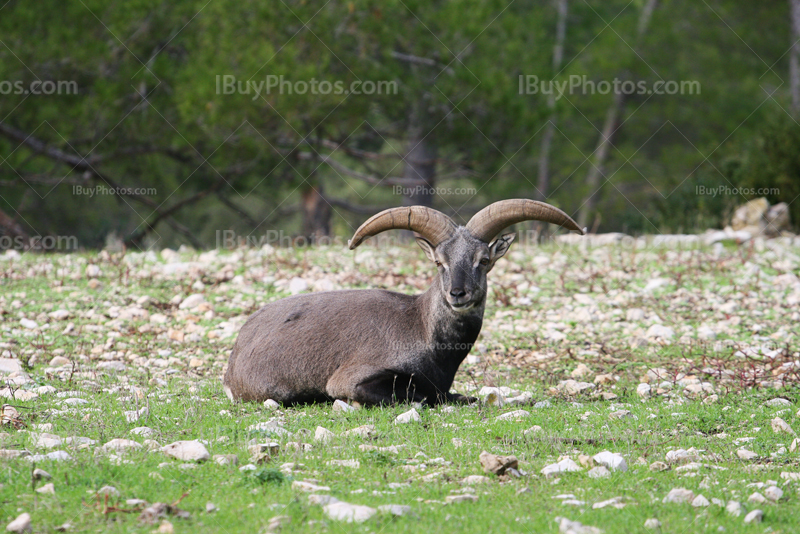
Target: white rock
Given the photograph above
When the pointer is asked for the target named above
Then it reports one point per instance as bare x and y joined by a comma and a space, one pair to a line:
781, 426
297, 285
773, 493
192, 301
633, 315
745, 454
351, 513
652, 524
21, 524
47, 489
48, 441
411, 416
270, 404
598, 472
679, 496
660, 331
353, 464
564, 466
395, 509
187, 451
323, 434
611, 460
734, 508
143, 431
704, 332
341, 406
700, 501
510, 416
120, 445
565, 526
756, 516
27, 323
492, 396
643, 390
308, 487
777, 402
363, 431
756, 498
134, 415
682, 456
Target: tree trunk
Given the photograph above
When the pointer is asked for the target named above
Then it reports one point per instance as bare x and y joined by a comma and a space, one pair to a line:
420, 165
543, 185
316, 214
12, 228
794, 57
609, 129
600, 155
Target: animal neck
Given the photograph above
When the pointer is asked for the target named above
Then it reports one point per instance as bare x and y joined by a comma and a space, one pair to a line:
446, 325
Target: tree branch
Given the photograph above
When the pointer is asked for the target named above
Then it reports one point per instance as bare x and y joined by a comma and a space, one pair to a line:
374, 180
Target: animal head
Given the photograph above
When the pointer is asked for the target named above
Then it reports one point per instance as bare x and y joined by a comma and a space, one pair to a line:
463, 254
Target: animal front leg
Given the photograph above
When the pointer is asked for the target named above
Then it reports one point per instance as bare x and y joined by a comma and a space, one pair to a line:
388, 387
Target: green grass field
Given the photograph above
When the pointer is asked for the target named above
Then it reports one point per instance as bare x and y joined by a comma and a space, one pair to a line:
110, 330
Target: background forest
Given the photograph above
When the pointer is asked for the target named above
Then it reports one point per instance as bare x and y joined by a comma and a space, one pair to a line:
166, 123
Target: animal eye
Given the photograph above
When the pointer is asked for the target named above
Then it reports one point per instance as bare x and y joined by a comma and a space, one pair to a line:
438, 264
484, 261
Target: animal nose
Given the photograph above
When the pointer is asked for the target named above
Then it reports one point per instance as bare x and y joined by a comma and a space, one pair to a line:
458, 292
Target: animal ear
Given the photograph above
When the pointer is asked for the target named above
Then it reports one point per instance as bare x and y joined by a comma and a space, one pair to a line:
427, 248
500, 246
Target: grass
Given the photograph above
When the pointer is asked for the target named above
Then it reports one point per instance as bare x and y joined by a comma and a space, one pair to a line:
187, 403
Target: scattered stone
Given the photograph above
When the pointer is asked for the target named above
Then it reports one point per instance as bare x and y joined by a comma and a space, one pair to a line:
119, 445
41, 474
679, 496
778, 402
652, 524
21, 524
276, 523
453, 499
187, 451
756, 498
658, 466
565, 526
143, 431
700, 502
643, 390
494, 464
682, 456
611, 460
323, 435
475, 479
225, 459
395, 509
511, 416
308, 487
411, 416
599, 472
192, 301
351, 513
620, 414
48, 489
745, 454
270, 404
364, 431
564, 466
781, 426
756, 516
341, 406
773, 493
734, 508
